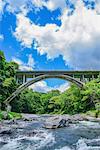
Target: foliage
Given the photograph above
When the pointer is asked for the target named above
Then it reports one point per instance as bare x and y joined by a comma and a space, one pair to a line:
28, 101
45, 99
7, 80
91, 95
93, 113
72, 101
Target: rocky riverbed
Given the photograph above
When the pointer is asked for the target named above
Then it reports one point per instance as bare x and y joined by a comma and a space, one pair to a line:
50, 132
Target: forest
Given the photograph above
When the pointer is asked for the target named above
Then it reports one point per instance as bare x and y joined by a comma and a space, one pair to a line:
72, 101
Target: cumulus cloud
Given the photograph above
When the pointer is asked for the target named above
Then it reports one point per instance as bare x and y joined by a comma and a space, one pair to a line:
2, 4
24, 31
31, 62
77, 39
24, 6
63, 87
38, 3
98, 6
50, 4
1, 37
42, 86
15, 6
55, 4
25, 66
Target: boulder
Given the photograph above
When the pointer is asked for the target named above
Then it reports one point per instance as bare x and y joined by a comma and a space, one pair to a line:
5, 115
27, 119
2, 143
79, 117
58, 122
7, 131
10, 122
31, 133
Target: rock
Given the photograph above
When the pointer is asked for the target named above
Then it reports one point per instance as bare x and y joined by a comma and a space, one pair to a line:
27, 119
92, 119
77, 117
32, 133
62, 123
50, 126
10, 122
5, 115
57, 122
2, 143
6, 131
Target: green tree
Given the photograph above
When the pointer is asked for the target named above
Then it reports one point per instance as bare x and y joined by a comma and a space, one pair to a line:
91, 94
45, 98
7, 80
27, 102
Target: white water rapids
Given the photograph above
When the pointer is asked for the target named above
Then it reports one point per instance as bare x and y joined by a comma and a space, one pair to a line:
82, 136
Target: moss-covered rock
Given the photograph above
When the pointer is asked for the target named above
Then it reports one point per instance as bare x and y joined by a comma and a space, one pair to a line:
10, 115
94, 113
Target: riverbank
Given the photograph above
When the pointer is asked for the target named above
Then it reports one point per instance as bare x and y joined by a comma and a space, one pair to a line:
13, 115
49, 121
9, 115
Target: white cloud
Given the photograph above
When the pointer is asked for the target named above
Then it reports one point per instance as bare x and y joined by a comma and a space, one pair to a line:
24, 31
25, 66
14, 6
2, 4
42, 86
98, 6
50, 4
1, 37
24, 6
63, 87
38, 3
77, 39
55, 4
18, 61
31, 62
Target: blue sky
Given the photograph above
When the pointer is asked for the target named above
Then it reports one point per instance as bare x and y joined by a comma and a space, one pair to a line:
51, 35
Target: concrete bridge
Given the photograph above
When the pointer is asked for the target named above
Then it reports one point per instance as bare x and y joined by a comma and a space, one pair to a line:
27, 78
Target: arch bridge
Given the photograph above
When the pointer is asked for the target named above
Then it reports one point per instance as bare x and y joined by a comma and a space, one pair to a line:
77, 77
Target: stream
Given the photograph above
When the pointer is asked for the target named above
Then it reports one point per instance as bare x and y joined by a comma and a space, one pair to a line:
30, 135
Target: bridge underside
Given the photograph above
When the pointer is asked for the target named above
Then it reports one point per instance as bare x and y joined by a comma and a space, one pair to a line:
76, 77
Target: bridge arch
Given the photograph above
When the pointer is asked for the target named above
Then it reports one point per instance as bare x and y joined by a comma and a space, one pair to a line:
39, 78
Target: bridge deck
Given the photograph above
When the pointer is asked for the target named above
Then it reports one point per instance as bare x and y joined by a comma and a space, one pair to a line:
57, 71
76, 74
22, 76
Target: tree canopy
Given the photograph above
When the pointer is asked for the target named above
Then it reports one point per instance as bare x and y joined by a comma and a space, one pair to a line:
7, 81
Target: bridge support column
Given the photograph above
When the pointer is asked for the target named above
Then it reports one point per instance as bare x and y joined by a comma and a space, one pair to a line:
90, 78
93, 77
83, 78
73, 75
24, 78
34, 76
16, 78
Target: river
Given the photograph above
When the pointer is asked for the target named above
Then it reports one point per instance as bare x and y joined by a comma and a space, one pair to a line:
30, 135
